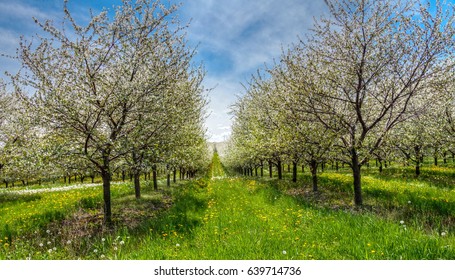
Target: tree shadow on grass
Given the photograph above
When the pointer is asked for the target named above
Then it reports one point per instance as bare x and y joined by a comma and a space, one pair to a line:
336, 194
17, 198
442, 179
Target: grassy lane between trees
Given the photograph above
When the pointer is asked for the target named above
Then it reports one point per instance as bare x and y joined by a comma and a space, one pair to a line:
217, 217
239, 218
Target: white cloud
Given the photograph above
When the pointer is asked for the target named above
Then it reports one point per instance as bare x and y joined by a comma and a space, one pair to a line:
21, 10
239, 35
246, 34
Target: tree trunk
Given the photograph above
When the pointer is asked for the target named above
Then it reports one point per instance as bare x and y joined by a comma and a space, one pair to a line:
155, 182
262, 169
336, 166
137, 184
417, 168
380, 164
280, 170
314, 170
417, 154
357, 177
294, 172
106, 176
435, 160
93, 178
175, 175
270, 169
168, 180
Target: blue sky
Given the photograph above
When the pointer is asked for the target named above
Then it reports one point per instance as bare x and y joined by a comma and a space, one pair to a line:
234, 38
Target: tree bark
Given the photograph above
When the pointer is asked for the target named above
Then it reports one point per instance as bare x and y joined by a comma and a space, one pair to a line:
137, 184
358, 200
280, 170
270, 169
417, 154
294, 172
314, 170
105, 175
155, 182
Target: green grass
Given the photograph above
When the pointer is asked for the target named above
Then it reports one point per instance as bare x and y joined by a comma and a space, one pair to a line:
228, 217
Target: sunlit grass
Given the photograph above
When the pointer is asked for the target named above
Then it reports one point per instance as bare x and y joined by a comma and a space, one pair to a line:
221, 217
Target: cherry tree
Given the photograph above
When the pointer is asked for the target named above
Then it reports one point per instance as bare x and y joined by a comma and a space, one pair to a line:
363, 67
93, 83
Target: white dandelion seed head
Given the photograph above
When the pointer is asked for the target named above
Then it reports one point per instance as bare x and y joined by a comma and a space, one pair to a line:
41, 244
115, 248
177, 245
49, 243
284, 252
102, 256
54, 249
49, 251
48, 231
103, 239
402, 222
409, 202
122, 242
68, 242
95, 251
443, 233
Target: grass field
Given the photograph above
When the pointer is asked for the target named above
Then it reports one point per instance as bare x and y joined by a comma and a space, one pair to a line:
229, 217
